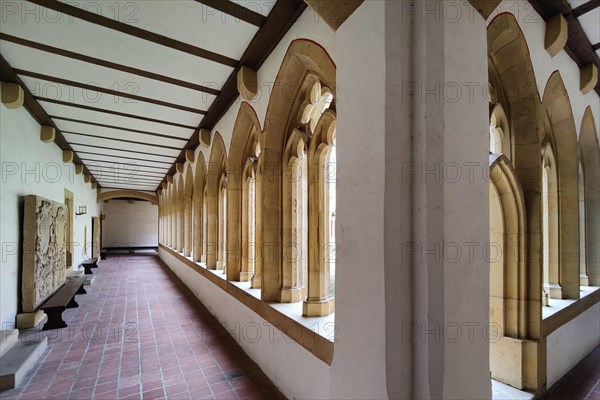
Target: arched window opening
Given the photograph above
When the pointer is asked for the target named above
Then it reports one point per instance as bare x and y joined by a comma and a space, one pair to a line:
222, 225
204, 228
295, 229
583, 274
550, 223
500, 142
330, 182
248, 221
322, 171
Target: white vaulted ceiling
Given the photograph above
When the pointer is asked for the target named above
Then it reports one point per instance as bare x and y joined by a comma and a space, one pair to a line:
129, 83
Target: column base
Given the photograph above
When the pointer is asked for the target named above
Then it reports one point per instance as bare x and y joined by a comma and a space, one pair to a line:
292, 295
246, 276
584, 280
318, 307
221, 265
554, 290
203, 258
256, 282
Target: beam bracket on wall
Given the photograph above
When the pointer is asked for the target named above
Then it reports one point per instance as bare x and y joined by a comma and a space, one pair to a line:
170, 178
87, 178
189, 156
47, 134
588, 78
247, 84
334, 13
557, 33
13, 95
78, 169
179, 167
68, 156
159, 192
164, 185
204, 136
94, 185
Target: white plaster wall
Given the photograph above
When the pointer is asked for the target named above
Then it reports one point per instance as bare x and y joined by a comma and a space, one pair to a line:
534, 29
32, 167
572, 342
129, 225
294, 370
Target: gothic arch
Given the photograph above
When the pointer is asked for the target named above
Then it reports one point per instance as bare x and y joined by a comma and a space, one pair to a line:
561, 132
187, 211
590, 161
513, 81
302, 57
214, 173
180, 213
198, 204
508, 277
113, 194
246, 142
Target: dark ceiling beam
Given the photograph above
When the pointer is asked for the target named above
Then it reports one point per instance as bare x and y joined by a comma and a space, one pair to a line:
120, 128
131, 30
123, 167
125, 188
7, 74
280, 20
578, 45
107, 64
105, 111
122, 157
117, 149
99, 89
161, 146
236, 11
586, 7
596, 46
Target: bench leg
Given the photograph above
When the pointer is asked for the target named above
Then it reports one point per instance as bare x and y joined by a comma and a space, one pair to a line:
88, 269
55, 320
72, 303
81, 290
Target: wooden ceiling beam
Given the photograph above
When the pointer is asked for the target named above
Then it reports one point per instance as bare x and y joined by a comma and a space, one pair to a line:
237, 11
120, 128
107, 64
586, 7
162, 146
117, 113
100, 89
132, 30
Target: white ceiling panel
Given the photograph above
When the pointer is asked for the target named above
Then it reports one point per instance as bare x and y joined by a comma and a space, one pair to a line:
131, 147
77, 127
56, 91
21, 57
263, 7
60, 110
117, 161
122, 153
97, 41
184, 20
590, 22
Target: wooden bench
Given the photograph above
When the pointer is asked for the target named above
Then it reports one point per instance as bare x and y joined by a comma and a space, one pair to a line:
89, 264
63, 298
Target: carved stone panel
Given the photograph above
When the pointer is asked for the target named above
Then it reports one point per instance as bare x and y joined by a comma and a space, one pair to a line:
95, 236
44, 250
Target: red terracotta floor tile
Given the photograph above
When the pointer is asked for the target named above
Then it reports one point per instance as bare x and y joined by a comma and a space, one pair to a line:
140, 333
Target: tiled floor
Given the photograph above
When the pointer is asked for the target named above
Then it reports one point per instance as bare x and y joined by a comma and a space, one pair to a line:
139, 333
580, 383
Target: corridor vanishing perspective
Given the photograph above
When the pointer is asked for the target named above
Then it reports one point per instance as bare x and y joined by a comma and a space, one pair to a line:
303, 199
140, 333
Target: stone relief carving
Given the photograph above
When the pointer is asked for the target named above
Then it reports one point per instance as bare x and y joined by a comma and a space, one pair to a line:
44, 250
